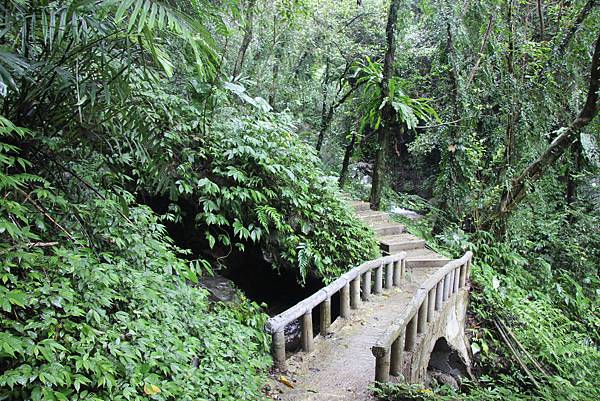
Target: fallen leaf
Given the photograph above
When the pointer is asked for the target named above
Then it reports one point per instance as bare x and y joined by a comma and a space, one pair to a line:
286, 381
151, 389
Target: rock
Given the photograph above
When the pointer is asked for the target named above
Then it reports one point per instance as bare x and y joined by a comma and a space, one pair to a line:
221, 289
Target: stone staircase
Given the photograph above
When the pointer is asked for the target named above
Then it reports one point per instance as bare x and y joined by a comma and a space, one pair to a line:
393, 238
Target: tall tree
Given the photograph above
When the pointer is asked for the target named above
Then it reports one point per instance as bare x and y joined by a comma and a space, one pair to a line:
383, 132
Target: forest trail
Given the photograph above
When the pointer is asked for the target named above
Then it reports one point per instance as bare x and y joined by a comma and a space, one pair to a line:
342, 365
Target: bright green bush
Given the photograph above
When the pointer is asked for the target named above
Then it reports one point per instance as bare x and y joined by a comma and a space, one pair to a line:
95, 305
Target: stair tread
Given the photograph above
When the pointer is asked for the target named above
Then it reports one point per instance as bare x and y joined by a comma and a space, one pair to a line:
399, 239
422, 254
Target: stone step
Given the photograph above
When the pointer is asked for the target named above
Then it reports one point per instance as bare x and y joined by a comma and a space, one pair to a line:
402, 242
423, 257
386, 228
372, 216
360, 206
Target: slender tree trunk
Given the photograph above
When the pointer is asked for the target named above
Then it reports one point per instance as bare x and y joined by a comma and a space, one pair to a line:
346, 161
484, 43
326, 112
383, 132
248, 27
576, 150
540, 11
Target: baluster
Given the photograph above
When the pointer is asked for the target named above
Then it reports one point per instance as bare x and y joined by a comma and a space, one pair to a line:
422, 322
325, 316
439, 293
307, 332
345, 301
382, 367
411, 334
403, 269
278, 349
468, 269
366, 286
396, 356
463, 275
378, 280
355, 293
397, 272
389, 274
431, 303
450, 283
446, 288
456, 279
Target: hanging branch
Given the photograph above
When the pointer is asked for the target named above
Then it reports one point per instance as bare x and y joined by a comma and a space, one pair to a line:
484, 42
564, 137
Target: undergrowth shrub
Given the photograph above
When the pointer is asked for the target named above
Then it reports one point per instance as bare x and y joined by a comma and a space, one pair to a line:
96, 305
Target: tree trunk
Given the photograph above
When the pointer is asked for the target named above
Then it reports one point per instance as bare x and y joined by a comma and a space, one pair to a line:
388, 111
572, 171
346, 162
484, 42
565, 137
540, 11
239, 62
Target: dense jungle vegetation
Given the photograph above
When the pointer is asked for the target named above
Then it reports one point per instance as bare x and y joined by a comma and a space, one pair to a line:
146, 145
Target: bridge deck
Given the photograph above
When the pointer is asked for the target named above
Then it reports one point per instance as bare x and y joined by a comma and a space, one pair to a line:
342, 365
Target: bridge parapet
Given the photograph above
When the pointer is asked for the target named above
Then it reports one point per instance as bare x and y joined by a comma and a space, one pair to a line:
353, 285
430, 298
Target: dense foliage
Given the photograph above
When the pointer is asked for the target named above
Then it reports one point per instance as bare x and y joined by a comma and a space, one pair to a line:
234, 121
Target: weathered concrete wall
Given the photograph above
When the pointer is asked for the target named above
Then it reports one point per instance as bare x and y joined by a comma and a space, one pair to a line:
448, 323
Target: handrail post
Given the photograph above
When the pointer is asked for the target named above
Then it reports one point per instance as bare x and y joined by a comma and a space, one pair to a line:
431, 303
468, 269
389, 274
355, 293
397, 353
325, 316
456, 279
450, 283
411, 334
439, 293
403, 269
382, 367
278, 349
397, 272
422, 321
307, 332
366, 285
463, 275
446, 287
378, 280
345, 301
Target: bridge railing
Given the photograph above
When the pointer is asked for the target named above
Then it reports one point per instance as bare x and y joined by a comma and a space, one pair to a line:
430, 297
353, 286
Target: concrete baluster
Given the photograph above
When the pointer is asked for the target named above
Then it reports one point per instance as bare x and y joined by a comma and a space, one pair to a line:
463, 275
389, 274
366, 286
378, 280
382, 367
278, 349
397, 353
456, 279
355, 293
308, 344
422, 321
439, 293
431, 303
446, 281
325, 316
411, 334
403, 269
397, 272
345, 301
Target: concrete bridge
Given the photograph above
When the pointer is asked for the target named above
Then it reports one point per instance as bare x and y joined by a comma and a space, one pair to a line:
393, 318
